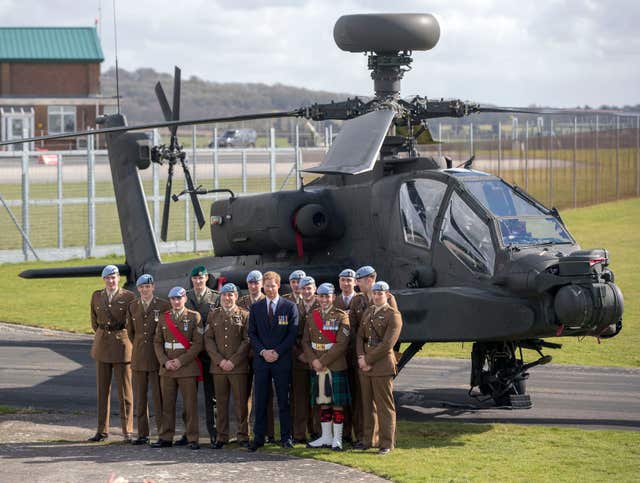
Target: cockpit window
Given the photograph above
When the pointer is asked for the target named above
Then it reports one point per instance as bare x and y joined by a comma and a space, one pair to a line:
468, 237
419, 204
521, 221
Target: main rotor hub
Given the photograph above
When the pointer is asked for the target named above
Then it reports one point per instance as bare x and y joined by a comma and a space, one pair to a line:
389, 38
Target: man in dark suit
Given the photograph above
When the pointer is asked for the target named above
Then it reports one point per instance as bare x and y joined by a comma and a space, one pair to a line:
273, 326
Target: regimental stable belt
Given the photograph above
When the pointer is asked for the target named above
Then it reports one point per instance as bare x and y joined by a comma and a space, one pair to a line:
321, 347
173, 345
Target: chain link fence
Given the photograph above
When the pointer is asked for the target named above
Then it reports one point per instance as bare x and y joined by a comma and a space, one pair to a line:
63, 202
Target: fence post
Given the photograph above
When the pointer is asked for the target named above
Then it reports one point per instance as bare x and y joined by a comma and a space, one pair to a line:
25, 197
244, 170
617, 157
216, 183
526, 156
91, 197
638, 156
550, 161
272, 158
330, 135
439, 140
472, 150
60, 204
597, 164
575, 162
298, 163
193, 174
499, 147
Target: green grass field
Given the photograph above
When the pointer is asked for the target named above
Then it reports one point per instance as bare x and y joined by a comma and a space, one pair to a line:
496, 452
615, 226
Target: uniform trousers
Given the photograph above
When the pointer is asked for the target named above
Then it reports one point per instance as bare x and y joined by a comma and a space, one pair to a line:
353, 413
270, 424
302, 416
189, 390
227, 384
143, 383
121, 372
281, 377
209, 395
377, 400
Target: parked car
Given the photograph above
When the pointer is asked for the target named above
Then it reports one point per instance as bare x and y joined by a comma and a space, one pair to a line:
236, 138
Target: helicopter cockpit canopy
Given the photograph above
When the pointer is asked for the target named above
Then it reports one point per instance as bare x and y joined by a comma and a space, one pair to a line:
521, 221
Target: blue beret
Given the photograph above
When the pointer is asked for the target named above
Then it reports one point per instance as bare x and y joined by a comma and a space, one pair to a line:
199, 270
228, 287
254, 276
347, 272
380, 287
297, 275
144, 279
110, 270
365, 271
307, 281
326, 289
177, 292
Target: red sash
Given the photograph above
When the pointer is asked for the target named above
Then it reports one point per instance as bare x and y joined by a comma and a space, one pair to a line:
330, 335
182, 339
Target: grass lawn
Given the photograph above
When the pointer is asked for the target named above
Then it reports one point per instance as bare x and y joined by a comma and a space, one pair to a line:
497, 452
615, 226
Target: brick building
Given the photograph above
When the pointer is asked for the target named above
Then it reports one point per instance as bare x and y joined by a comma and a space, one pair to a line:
50, 83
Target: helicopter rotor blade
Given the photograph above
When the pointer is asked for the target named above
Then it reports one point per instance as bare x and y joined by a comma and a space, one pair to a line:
176, 104
164, 103
153, 125
194, 196
167, 204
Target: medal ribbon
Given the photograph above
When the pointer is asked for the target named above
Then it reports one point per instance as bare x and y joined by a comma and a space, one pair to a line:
330, 335
182, 339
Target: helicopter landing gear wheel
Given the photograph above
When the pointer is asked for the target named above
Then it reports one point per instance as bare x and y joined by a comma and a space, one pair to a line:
498, 371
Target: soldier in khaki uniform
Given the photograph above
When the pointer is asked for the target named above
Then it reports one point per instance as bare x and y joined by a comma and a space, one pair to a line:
254, 284
227, 342
301, 414
379, 330
143, 315
325, 342
202, 299
294, 282
353, 413
178, 341
112, 351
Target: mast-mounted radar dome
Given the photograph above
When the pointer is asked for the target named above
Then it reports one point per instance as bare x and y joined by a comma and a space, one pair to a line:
386, 32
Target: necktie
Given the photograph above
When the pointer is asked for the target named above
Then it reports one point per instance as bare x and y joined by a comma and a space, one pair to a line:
270, 310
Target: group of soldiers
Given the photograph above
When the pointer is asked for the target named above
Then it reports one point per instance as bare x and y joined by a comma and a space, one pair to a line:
328, 355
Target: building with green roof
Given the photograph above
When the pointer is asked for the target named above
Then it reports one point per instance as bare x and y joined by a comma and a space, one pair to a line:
49, 81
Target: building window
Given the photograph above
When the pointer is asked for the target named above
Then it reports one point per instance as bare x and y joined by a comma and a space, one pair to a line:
61, 119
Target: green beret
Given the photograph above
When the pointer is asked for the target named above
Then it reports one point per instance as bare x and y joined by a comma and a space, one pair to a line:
199, 270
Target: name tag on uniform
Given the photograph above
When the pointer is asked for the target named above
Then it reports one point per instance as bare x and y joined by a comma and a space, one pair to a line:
283, 320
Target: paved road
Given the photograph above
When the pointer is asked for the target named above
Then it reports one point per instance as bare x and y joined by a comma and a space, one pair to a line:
48, 369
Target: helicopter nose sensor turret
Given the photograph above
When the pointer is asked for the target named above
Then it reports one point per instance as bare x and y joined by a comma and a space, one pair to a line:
389, 38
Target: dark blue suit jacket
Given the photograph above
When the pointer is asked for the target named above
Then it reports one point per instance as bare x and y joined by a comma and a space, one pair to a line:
278, 334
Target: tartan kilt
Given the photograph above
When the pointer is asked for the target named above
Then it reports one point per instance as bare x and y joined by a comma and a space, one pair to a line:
341, 396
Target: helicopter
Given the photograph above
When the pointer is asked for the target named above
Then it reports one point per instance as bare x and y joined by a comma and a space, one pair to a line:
469, 257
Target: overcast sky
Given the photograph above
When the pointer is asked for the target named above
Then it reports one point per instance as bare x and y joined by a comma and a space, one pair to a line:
559, 53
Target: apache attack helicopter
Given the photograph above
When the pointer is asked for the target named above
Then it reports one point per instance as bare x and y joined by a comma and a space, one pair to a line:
470, 257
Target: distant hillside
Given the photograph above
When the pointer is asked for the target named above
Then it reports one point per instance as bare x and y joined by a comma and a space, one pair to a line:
202, 98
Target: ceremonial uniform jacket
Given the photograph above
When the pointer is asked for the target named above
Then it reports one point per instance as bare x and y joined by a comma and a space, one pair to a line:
227, 337
245, 301
298, 349
359, 304
209, 301
141, 328
111, 343
376, 337
190, 325
292, 297
336, 321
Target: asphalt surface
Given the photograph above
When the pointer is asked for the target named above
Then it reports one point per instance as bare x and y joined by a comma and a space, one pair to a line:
53, 370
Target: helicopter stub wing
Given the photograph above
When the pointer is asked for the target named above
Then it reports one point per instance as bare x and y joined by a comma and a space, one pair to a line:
357, 145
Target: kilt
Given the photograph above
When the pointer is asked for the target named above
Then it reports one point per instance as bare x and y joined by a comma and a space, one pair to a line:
340, 394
